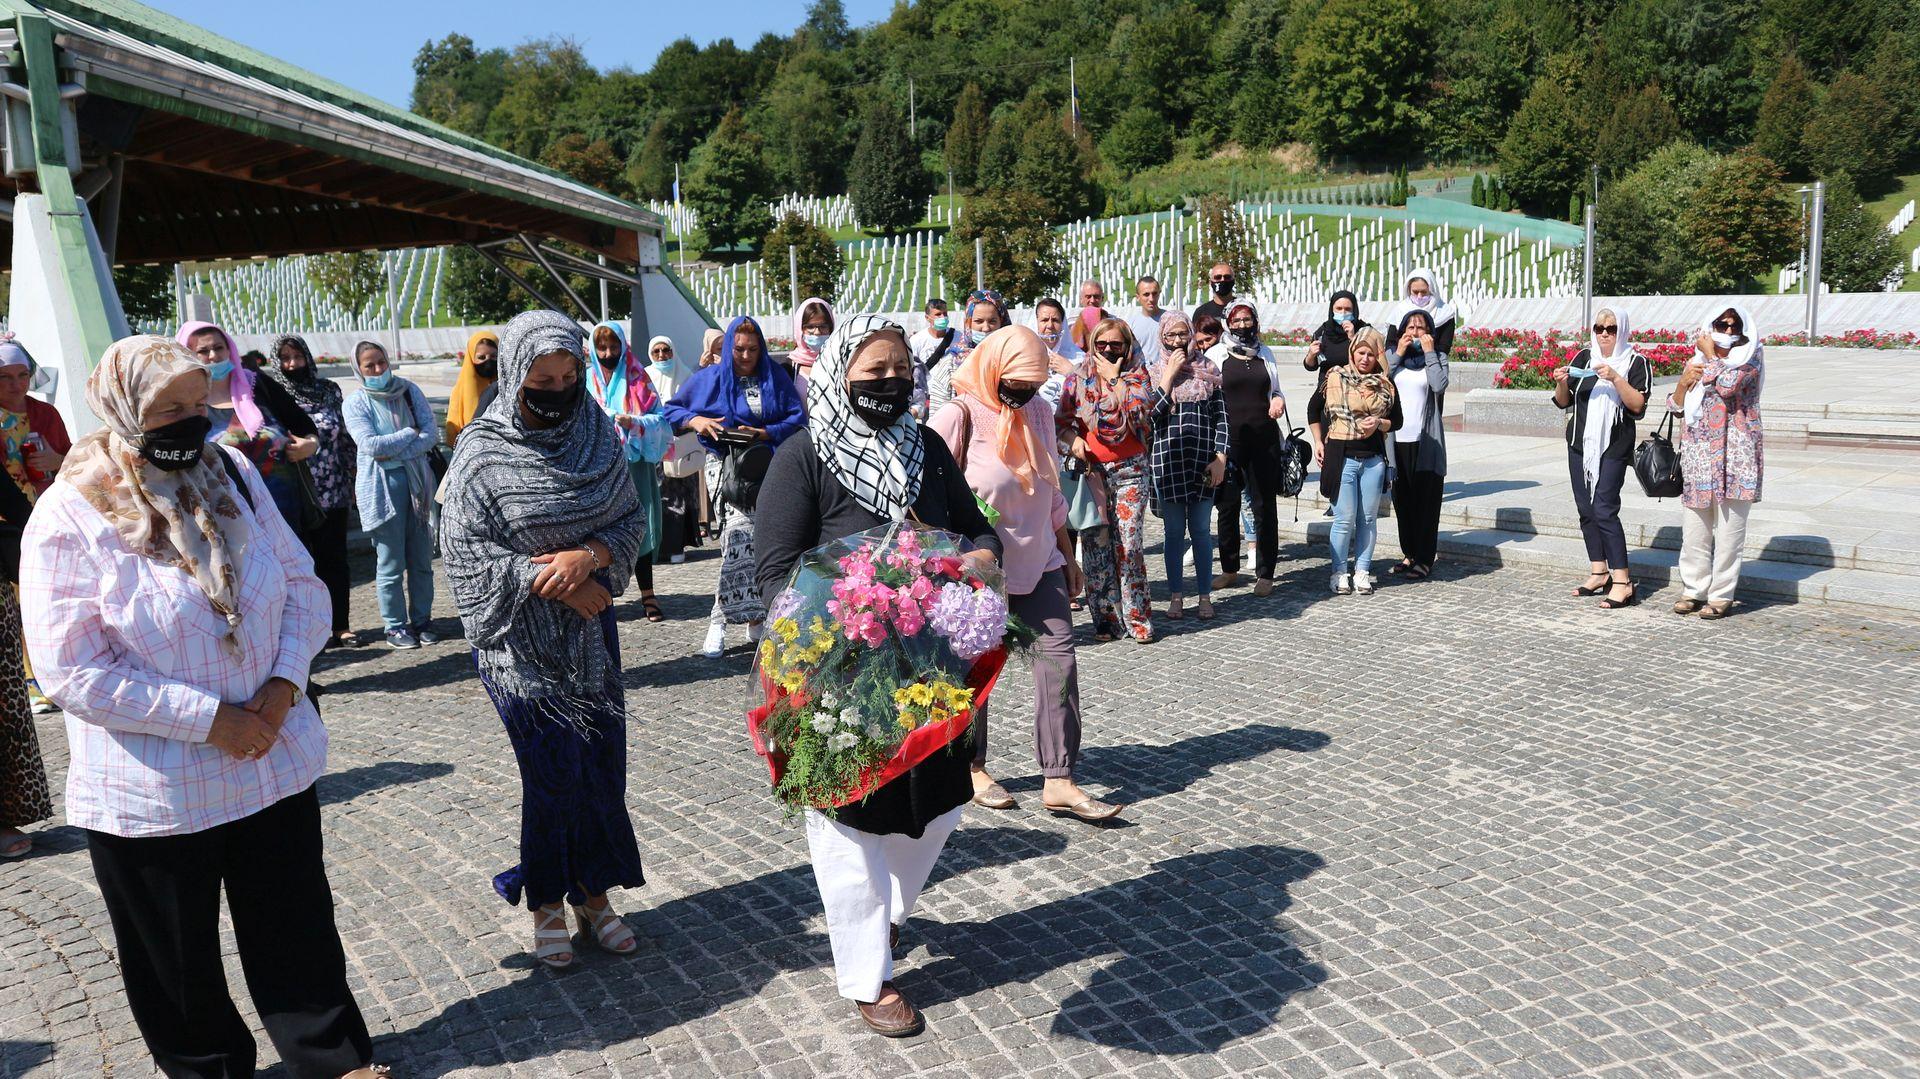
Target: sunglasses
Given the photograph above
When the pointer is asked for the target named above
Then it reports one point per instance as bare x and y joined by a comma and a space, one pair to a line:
1599, 329
1220, 280
1727, 325
1110, 348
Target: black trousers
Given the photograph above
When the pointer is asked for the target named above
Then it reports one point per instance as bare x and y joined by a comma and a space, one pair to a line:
679, 515
163, 896
327, 543
1257, 471
1600, 511
643, 572
1416, 502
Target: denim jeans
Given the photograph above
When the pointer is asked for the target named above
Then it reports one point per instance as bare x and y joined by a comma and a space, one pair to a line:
403, 543
1356, 511
1191, 523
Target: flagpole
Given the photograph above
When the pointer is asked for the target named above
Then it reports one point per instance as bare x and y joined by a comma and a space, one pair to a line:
679, 233
1073, 95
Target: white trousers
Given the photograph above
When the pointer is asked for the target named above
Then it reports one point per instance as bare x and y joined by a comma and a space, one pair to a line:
1711, 541
869, 883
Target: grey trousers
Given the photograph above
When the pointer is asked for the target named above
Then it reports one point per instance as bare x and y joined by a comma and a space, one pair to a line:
1056, 680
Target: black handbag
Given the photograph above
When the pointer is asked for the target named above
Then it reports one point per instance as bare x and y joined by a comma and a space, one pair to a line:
741, 473
1657, 464
438, 458
1293, 456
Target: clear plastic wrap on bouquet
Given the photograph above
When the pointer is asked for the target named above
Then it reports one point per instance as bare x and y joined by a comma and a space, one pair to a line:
876, 655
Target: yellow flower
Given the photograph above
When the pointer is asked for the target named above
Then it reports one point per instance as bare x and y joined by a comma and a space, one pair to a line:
920, 694
792, 681
939, 714
908, 719
787, 628
959, 699
901, 698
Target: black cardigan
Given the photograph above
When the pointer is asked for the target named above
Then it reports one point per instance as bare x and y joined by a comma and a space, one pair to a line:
802, 505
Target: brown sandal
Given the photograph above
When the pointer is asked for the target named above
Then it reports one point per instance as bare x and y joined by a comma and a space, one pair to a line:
651, 605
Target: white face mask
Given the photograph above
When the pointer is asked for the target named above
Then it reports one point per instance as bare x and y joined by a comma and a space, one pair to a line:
1423, 300
1051, 338
815, 341
1725, 340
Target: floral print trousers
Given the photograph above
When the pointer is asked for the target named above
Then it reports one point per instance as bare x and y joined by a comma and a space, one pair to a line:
1116, 554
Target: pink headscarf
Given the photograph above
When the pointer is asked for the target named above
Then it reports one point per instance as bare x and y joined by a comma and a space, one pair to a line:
239, 381
802, 356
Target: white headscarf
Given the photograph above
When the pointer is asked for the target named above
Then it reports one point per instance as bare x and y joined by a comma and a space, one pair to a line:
1439, 311
1603, 403
1738, 356
880, 469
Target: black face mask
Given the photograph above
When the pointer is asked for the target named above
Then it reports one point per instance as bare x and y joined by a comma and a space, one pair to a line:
1223, 288
552, 406
178, 445
880, 401
1247, 337
303, 373
489, 369
1017, 397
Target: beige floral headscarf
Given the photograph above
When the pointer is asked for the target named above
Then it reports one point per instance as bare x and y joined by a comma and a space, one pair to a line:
188, 518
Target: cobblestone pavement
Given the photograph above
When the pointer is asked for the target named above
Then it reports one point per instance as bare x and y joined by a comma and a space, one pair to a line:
1463, 827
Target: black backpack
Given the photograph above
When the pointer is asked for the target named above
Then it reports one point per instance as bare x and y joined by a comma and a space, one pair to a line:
1294, 456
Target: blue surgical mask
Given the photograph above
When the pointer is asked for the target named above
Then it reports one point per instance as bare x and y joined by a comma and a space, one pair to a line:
379, 382
974, 337
1343, 316
220, 370
940, 324
815, 341
1581, 372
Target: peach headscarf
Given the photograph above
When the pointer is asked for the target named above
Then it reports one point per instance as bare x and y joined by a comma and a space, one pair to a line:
1010, 352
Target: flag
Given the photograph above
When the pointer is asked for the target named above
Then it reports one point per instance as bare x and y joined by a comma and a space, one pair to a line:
676, 183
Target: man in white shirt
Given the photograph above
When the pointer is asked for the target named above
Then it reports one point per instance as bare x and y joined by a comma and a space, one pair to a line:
927, 346
1145, 323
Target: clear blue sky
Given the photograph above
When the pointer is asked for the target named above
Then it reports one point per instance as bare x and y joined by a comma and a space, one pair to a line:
369, 44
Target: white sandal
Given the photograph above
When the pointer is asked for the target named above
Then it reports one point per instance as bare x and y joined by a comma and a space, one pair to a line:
607, 929
549, 943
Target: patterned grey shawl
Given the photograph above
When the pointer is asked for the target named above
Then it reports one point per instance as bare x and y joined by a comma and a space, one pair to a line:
514, 491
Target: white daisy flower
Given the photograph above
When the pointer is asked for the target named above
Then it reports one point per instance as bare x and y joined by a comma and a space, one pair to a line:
850, 717
843, 741
823, 722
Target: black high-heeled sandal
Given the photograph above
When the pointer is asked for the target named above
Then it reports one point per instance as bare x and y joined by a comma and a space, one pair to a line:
651, 605
1633, 595
1606, 586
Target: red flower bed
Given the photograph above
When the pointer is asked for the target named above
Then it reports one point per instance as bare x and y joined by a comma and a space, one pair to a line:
1851, 339
1531, 366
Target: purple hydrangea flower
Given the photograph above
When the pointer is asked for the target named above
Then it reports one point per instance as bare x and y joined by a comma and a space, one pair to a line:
787, 604
972, 620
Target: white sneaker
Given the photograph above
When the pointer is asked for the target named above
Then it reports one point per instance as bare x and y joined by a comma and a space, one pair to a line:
1340, 585
716, 640
755, 631
1363, 582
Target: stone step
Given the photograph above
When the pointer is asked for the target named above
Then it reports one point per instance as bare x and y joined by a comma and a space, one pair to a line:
1760, 580
1898, 555
1882, 433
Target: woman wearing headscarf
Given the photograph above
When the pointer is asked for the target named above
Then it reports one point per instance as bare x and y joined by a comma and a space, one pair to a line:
812, 323
174, 615
24, 798
1604, 390
33, 437
985, 312
680, 471
1250, 382
709, 347
744, 399
620, 383
1420, 375
1720, 456
479, 367
392, 424
538, 529
1003, 437
332, 468
1106, 422
33, 443
1331, 341
254, 415
1350, 416
1190, 446
1423, 294
862, 462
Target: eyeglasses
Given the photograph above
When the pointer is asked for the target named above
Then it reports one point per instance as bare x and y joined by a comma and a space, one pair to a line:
1599, 329
1727, 325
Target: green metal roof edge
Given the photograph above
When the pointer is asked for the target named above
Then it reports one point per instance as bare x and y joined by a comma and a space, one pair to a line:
686, 293
138, 95
159, 28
